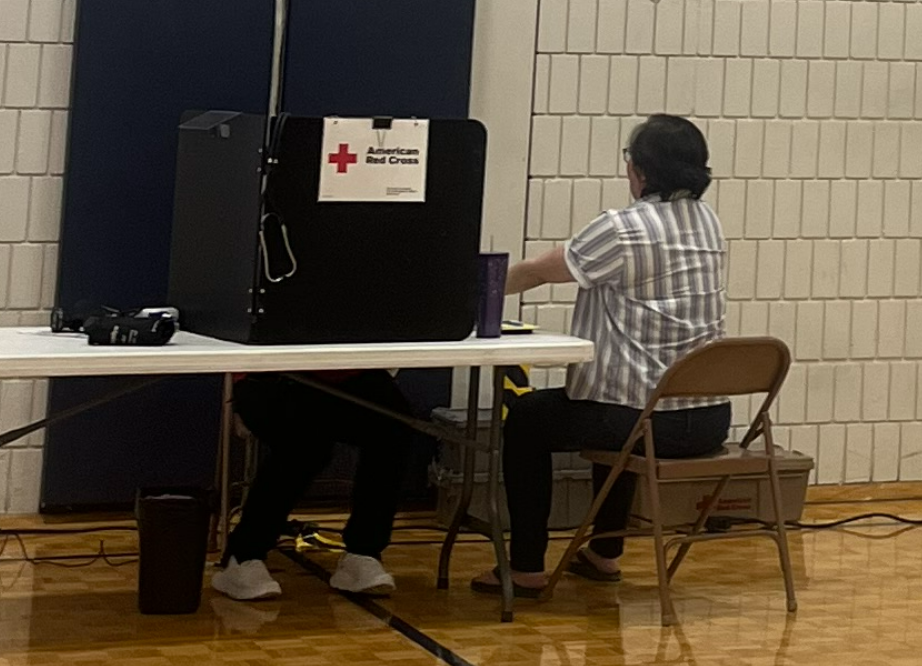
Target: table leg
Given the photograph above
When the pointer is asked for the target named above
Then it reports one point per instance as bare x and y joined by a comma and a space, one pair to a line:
496, 527
227, 427
467, 482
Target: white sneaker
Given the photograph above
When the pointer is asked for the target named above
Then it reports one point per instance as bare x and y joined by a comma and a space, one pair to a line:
246, 582
363, 575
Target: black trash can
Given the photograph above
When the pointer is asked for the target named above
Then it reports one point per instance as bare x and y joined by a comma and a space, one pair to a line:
173, 538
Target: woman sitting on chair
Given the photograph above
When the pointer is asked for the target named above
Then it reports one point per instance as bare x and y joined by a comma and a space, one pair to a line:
651, 290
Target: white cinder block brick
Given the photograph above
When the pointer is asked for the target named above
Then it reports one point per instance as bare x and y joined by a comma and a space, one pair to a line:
34, 142
864, 30
915, 213
542, 294
886, 149
832, 149
615, 194
918, 113
748, 159
858, 453
581, 31
911, 451
542, 83
552, 318
14, 20
680, 89
793, 396
727, 15
557, 207
704, 44
574, 146
816, 209
876, 388
870, 208
534, 210
793, 88
530, 316
593, 84
911, 150
805, 137
890, 29
54, 91
913, 30
612, 21
732, 208
670, 21
892, 333
733, 318
782, 321
886, 466
721, 142
806, 440
848, 392
788, 196
58, 143
848, 89
837, 335
26, 277
754, 33
799, 259
709, 86
783, 35
913, 325
838, 23
690, 29
843, 207
25, 480
903, 391
68, 20
622, 91
640, 22
854, 272
880, 268
564, 293
809, 29
821, 94
45, 21
738, 87
759, 197
902, 88
587, 203
742, 258
864, 329
9, 128
651, 87
777, 156
809, 345
754, 318
766, 75
45, 210
39, 399
5, 257
908, 263
875, 90
825, 269
897, 194
15, 403
49, 278
22, 70
545, 145
552, 26
831, 467
564, 84
14, 211
604, 146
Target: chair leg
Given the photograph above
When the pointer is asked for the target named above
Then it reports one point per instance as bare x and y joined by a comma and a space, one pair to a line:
666, 607
699, 525
782, 539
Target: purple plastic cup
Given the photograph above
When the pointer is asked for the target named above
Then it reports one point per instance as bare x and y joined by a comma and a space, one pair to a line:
492, 285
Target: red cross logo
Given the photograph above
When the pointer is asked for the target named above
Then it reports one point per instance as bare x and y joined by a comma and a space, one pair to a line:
343, 158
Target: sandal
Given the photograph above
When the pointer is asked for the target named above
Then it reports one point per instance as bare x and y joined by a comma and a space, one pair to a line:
497, 588
582, 566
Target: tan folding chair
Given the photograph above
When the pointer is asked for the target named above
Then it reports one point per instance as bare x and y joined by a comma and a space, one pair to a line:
732, 366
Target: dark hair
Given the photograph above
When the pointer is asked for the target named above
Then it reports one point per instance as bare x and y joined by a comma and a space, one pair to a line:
672, 155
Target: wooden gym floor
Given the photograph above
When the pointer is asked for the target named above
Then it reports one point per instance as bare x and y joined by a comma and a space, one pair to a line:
860, 594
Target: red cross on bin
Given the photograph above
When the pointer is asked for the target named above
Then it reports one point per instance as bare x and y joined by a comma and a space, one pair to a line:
343, 158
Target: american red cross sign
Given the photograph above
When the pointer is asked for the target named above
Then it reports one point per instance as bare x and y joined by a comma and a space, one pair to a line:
343, 158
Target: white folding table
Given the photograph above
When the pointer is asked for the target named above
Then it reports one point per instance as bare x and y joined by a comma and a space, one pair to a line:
39, 353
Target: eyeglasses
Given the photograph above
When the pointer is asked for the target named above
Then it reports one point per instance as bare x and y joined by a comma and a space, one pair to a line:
626, 153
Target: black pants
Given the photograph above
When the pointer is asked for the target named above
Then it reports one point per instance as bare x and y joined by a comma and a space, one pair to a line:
543, 422
300, 426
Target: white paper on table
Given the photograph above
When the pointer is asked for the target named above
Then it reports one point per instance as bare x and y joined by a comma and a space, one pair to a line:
361, 163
